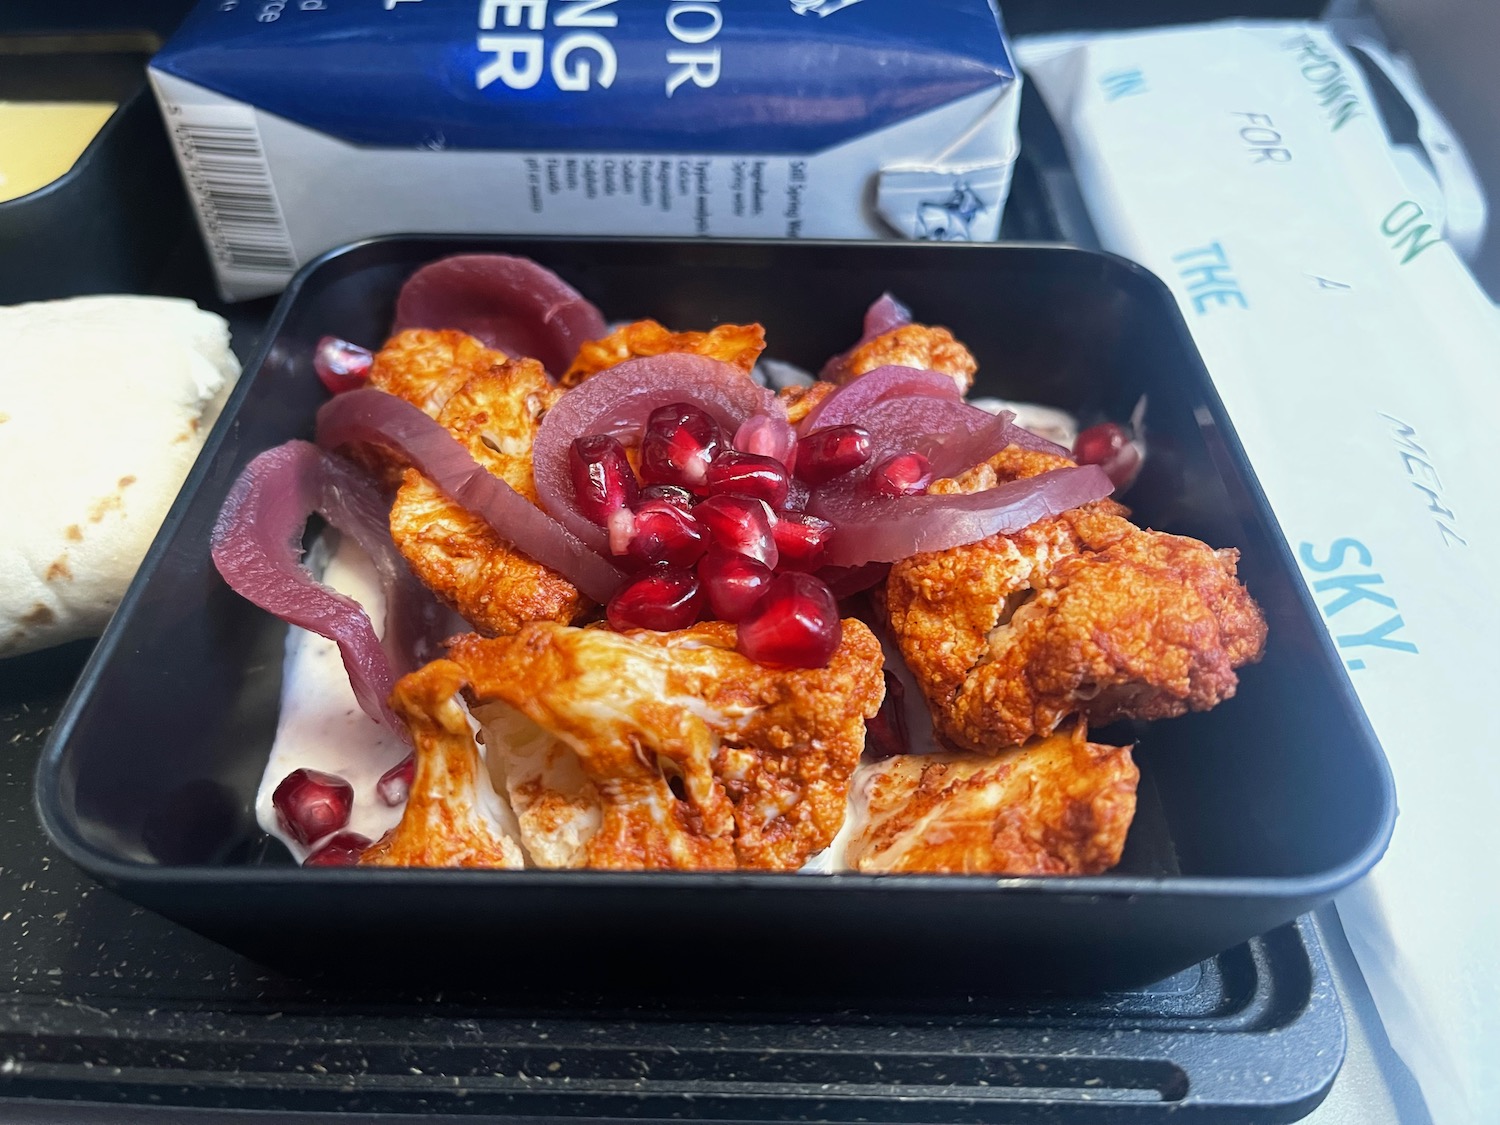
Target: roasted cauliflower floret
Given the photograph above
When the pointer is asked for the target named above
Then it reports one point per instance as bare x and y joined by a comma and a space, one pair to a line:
1058, 806
558, 809
426, 366
453, 817
739, 345
1079, 614
922, 346
668, 750
800, 401
644, 794
496, 588
787, 764
1015, 463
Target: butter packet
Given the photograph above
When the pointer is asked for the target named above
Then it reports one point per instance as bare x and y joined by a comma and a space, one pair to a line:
40, 142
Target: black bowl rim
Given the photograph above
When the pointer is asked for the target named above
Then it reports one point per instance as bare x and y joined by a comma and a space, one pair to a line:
112, 124
110, 869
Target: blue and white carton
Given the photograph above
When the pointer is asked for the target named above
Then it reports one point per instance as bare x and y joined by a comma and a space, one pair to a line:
304, 124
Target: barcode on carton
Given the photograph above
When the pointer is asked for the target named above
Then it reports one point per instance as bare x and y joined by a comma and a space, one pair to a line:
225, 168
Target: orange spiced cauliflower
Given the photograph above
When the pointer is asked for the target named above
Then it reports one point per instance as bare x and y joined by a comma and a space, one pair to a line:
1059, 806
452, 816
738, 345
1079, 614
922, 346
426, 366
456, 554
659, 750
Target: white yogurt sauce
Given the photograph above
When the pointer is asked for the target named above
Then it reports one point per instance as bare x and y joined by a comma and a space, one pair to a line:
831, 858
321, 726
1047, 421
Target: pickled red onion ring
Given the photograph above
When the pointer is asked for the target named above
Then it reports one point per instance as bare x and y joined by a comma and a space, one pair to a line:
953, 436
256, 545
768, 436
618, 401
511, 304
383, 419
847, 405
881, 529
884, 315
846, 581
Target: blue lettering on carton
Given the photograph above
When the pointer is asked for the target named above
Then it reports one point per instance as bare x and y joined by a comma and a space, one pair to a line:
1335, 92
1403, 225
1210, 281
1119, 84
1263, 139
664, 76
1355, 590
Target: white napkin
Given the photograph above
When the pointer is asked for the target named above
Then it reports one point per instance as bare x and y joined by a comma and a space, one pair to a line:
1247, 166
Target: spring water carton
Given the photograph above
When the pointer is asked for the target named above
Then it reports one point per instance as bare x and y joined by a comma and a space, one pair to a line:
304, 124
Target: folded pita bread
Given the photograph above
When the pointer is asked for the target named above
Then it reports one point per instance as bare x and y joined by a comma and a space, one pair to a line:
104, 404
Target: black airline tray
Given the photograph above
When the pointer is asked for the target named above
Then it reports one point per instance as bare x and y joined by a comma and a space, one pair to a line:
107, 224
103, 1003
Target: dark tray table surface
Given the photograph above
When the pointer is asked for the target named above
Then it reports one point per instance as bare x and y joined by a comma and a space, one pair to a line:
102, 1002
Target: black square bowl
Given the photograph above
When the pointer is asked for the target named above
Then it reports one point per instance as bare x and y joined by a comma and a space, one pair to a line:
1249, 814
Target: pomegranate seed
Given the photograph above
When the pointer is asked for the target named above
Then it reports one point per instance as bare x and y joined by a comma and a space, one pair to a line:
1109, 446
748, 474
342, 850
671, 493
768, 437
311, 804
797, 496
602, 480
825, 454
340, 365
621, 530
886, 734
796, 624
679, 444
1099, 443
740, 524
664, 533
801, 540
395, 784
733, 583
662, 598
905, 474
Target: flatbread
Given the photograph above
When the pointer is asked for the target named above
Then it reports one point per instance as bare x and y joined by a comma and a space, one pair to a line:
104, 405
